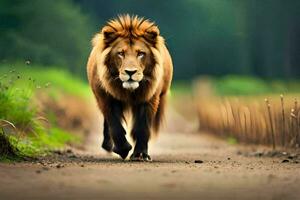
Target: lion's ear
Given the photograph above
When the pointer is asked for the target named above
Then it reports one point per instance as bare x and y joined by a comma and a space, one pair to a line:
109, 34
151, 34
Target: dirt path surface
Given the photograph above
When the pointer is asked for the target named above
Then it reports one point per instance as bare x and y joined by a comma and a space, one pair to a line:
220, 172
172, 175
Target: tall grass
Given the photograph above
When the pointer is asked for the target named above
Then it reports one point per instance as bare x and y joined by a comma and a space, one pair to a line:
23, 131
271, 121
15, 100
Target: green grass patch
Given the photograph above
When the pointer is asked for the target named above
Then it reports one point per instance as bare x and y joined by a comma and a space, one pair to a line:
35, 145
54, 79
247, 85
22, 132
16, 101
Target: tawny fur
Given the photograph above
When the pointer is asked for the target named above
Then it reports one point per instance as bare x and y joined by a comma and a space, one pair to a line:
106, 88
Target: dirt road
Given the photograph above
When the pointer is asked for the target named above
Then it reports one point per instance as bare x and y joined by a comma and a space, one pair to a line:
172, 175
221, 171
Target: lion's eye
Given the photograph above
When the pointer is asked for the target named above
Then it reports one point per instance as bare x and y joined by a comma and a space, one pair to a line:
121, 54
141, 54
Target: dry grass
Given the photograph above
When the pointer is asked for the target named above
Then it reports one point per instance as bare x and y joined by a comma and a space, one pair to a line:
272, 121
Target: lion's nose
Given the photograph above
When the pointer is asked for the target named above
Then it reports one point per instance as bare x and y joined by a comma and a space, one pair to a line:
130, 72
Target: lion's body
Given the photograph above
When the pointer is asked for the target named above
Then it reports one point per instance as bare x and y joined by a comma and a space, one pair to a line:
145, 97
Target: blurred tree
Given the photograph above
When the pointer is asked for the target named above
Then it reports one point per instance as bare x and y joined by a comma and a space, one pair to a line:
46, 32
200, 34
215, 37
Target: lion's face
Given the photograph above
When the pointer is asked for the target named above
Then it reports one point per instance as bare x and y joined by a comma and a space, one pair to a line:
128, 53
132, 59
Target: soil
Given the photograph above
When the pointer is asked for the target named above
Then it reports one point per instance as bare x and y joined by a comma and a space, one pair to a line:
186, 165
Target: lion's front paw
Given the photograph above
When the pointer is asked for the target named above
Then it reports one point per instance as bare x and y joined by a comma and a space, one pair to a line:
140, 157
123, 150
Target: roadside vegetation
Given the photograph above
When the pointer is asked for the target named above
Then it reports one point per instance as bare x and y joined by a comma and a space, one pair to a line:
248, 85
250, 110
26, 130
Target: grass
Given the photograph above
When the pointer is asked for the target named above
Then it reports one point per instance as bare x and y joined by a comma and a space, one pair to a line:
7, 149
23, 133
274, 121
54, 78
233, 85
236, 107
15, 102
34, 145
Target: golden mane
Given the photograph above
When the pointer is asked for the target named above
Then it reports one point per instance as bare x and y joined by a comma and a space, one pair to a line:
130, 26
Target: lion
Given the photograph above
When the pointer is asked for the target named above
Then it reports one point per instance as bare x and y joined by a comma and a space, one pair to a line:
130, 68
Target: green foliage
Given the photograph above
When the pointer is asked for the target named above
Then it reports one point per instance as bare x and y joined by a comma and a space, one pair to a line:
15, 101
246, 85
235, 85
215, 37
27, 136
54, 80
37, 144
6, 148
211, 37
46, 32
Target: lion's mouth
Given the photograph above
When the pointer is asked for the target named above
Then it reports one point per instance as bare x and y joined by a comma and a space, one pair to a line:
130, 84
